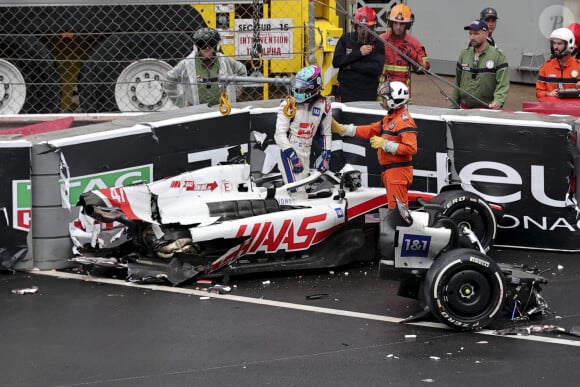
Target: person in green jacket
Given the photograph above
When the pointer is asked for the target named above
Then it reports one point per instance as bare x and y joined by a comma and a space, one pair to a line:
482, 74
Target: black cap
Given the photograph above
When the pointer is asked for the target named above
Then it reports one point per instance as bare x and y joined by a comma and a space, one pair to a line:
488, 12
477, 25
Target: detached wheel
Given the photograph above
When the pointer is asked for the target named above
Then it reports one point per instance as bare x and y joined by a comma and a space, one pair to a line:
465, 289
467, 209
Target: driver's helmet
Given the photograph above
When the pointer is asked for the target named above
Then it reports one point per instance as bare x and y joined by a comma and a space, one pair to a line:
206, 37
307, 84
565, 35
394, 94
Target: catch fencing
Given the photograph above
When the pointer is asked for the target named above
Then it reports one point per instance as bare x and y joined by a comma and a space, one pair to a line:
110, 58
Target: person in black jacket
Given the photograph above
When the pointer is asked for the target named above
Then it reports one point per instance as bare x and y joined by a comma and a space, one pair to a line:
359, 58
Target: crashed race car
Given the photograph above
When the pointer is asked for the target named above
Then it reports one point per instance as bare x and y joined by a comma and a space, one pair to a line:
222, 220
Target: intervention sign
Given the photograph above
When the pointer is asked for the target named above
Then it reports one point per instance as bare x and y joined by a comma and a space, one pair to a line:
276, 37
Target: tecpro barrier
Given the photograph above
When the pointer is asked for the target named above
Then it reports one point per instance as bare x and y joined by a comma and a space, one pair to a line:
523, 161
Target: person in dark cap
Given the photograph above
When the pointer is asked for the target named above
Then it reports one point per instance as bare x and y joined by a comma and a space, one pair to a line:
489, 16
194, 80
482, 74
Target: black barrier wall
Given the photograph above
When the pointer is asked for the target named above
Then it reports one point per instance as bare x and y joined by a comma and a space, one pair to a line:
526, 167
520, 161
65, 164
15, 205
64, 168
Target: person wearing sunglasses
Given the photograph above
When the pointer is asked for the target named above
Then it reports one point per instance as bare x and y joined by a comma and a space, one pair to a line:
194, 80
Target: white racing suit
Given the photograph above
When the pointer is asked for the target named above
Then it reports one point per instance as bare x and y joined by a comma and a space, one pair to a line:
311, 123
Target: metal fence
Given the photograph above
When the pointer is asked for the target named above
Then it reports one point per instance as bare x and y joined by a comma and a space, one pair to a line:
110, 58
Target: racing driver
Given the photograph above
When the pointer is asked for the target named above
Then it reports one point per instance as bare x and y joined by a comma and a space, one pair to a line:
394, 137
312, 122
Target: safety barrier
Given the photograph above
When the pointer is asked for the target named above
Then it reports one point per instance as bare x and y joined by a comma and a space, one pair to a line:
522, 161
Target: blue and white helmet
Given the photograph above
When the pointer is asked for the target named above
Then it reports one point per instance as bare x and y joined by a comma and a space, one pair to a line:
307, 83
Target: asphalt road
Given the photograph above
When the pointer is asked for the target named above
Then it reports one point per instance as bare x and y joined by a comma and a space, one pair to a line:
269, 330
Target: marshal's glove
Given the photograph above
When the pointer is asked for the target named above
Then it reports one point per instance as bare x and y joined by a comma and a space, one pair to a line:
341, 129
386, 145
324, 164
337, 127
291, 155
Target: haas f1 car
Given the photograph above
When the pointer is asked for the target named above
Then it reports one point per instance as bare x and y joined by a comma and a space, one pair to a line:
222, 220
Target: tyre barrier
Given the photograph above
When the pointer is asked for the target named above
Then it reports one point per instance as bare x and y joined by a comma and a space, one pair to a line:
50, 236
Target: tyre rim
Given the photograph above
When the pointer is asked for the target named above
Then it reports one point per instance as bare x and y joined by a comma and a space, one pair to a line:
468, 293
12, 88
471, 219
140, 87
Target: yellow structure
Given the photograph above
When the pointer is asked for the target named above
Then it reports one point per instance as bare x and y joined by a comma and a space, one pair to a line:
293, 34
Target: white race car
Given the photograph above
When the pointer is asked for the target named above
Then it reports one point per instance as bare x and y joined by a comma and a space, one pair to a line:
221, 220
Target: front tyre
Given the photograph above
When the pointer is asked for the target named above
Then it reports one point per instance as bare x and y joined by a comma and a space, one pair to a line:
465, 289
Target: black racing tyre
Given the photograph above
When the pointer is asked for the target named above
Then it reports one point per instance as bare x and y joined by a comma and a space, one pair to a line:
39, 70
467, 209
465, 289
99, 73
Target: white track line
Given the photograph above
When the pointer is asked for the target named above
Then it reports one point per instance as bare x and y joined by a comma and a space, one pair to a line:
288, 305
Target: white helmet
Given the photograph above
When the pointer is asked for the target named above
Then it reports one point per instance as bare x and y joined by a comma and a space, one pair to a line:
395, 94
565, 35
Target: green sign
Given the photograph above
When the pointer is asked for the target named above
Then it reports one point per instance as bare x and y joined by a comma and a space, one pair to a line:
22, 194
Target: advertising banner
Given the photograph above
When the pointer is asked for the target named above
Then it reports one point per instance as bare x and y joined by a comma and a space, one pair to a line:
523, 163
197, 141
526, 167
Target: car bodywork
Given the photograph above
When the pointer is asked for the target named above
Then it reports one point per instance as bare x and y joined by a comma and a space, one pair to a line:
442, 263
221, 219
224, 219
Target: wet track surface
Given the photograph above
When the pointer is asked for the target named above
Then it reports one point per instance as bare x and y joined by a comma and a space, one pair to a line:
322, 328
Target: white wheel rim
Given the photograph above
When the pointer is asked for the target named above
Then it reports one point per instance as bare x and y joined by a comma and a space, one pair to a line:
139, 87
12, 88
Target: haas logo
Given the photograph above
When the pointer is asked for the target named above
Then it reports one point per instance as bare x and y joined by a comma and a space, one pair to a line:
266, 237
